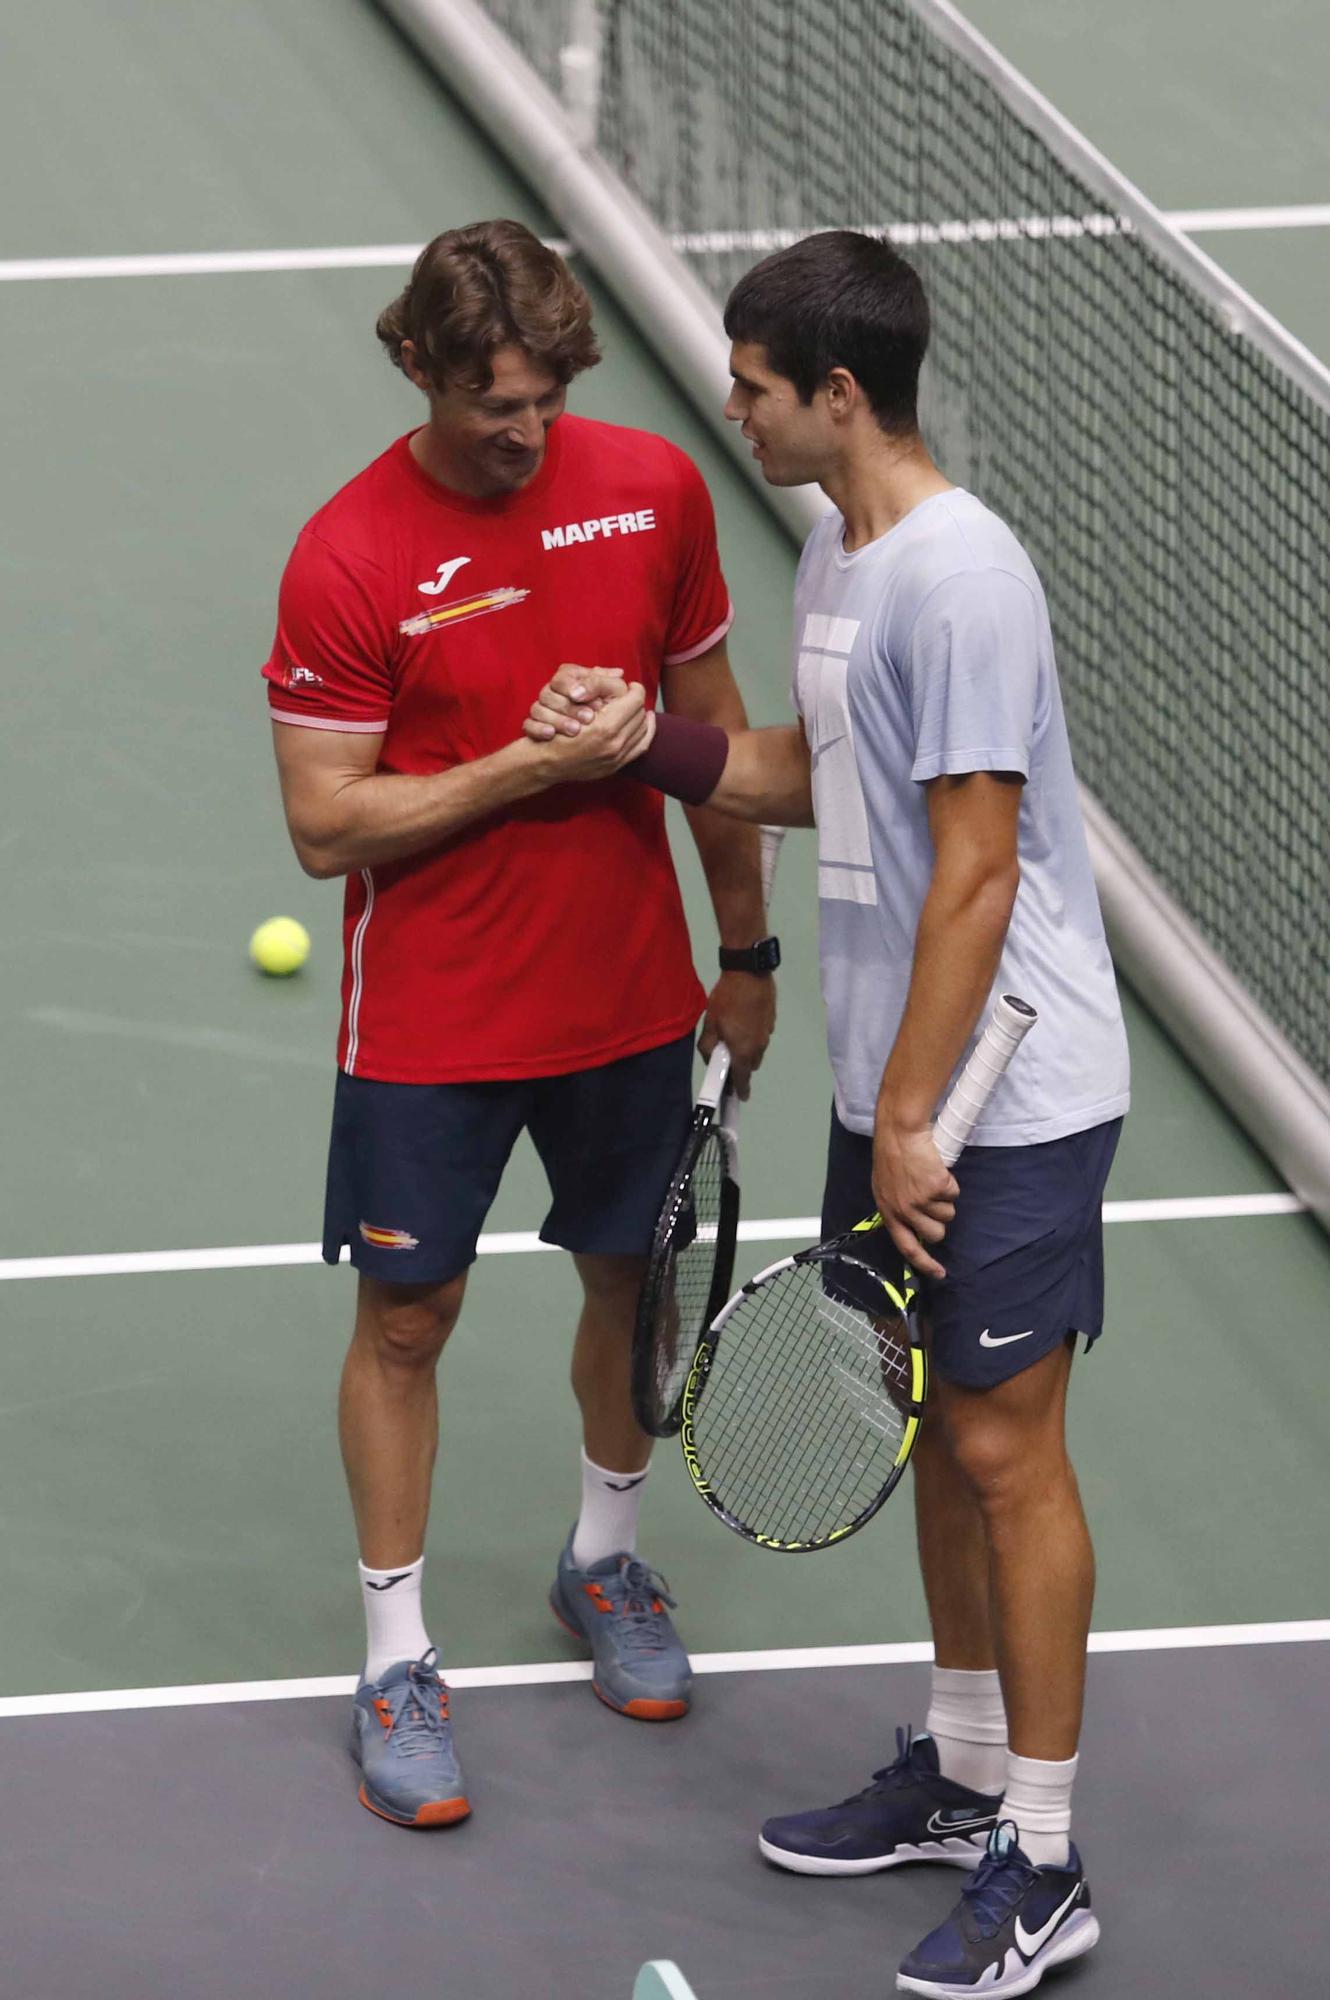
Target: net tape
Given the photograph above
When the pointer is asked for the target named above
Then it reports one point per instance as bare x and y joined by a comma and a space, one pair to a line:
1170, 481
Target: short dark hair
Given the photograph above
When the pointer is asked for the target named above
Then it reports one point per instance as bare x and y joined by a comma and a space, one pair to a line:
486, 286
839, 300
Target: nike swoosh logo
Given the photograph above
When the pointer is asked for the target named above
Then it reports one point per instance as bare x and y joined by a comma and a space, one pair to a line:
388, 1584
965, 1823
1028, 1943
627, 1485
987, 1339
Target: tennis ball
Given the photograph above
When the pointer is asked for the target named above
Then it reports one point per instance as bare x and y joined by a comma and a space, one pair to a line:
280, 946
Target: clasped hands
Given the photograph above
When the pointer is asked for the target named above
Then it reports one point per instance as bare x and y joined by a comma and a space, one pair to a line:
590, 722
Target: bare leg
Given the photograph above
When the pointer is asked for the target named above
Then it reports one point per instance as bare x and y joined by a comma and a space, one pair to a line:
1009, 1444
602, 1362
953, 1554
389, 1414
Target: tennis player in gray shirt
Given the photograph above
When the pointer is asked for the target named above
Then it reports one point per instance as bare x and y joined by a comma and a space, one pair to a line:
931, 753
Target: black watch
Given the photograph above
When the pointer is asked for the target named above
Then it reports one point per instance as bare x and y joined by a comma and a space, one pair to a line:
762, 957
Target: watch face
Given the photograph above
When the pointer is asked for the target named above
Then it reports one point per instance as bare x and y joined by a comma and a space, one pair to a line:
761, 957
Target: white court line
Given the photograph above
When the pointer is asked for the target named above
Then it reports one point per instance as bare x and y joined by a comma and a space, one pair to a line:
373, 256
208, 263
222, 263
1169, 1638
1200, 221
522, 1242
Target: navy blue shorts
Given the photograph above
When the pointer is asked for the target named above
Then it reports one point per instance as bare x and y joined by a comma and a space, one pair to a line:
1024, 1255
413, 1168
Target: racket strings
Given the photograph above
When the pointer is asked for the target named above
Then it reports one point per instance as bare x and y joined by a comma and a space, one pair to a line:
688, 1272
802, 1417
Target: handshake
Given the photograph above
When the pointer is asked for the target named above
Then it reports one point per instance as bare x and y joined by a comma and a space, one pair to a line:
591, 723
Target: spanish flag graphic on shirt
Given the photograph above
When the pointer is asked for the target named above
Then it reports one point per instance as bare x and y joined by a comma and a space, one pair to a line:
457, 614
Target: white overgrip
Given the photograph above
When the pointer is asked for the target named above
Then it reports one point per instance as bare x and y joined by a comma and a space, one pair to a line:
1011, 1022
716, 1078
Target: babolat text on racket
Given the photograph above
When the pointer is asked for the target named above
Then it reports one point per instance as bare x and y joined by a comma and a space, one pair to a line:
807, 1389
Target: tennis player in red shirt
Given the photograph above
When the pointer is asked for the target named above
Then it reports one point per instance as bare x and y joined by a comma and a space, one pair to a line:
516, 955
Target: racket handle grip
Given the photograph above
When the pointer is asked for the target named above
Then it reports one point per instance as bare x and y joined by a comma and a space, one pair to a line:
716, 1078
1011, 1022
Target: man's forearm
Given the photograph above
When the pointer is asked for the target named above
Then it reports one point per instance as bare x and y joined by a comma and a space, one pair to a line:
767, 778
962, 929
389, 817
731, 862
762, 775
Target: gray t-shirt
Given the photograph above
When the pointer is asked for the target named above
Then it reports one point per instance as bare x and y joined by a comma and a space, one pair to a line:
929, 652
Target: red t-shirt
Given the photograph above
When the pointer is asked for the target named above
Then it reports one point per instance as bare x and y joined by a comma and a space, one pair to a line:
549, 937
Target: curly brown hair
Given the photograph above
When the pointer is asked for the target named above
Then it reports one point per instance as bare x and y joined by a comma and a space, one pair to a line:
486, 286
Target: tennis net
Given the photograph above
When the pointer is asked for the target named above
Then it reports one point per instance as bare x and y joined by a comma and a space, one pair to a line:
1170, 477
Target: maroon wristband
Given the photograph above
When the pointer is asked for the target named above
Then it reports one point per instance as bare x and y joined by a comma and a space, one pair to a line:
685, 759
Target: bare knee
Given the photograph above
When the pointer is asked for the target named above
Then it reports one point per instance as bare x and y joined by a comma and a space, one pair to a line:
406, 1326
1008, 1443
1007, 1467
610, 1285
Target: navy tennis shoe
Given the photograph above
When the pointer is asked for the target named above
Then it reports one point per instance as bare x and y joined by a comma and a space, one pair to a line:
1012, 1923
622, 1610
402, 1739
909, 1812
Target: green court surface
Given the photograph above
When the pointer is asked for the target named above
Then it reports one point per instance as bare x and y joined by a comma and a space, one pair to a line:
169, 1479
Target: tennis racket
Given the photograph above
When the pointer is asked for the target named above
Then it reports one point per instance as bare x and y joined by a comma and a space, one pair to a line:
691, 1267
806, 1392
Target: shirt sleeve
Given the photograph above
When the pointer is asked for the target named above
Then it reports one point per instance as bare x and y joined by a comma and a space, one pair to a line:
973, 672
701, 614
330, 665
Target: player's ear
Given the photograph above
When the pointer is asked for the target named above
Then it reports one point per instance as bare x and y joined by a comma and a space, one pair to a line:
412, 369
842, 392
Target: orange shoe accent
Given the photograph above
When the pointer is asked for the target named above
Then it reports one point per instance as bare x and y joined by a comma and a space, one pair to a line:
439, 1812
644, 1711
443, 1812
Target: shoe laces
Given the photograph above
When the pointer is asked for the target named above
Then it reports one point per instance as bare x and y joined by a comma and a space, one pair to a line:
900, 1772
1000, 1881
640, 1598
420, 1708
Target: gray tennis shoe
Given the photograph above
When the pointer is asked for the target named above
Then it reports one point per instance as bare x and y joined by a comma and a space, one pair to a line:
402, 1739
621, 1608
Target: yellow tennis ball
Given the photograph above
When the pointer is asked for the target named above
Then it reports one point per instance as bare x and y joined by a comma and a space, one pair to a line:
280, 946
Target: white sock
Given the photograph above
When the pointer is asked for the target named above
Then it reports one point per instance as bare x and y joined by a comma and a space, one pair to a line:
607, 1524
968, 1723
1038, 1798
394, 1628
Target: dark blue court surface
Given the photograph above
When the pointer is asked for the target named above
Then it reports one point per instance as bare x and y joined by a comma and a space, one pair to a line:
219, 1853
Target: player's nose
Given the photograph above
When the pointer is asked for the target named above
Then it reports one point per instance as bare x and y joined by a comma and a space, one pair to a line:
528, 431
